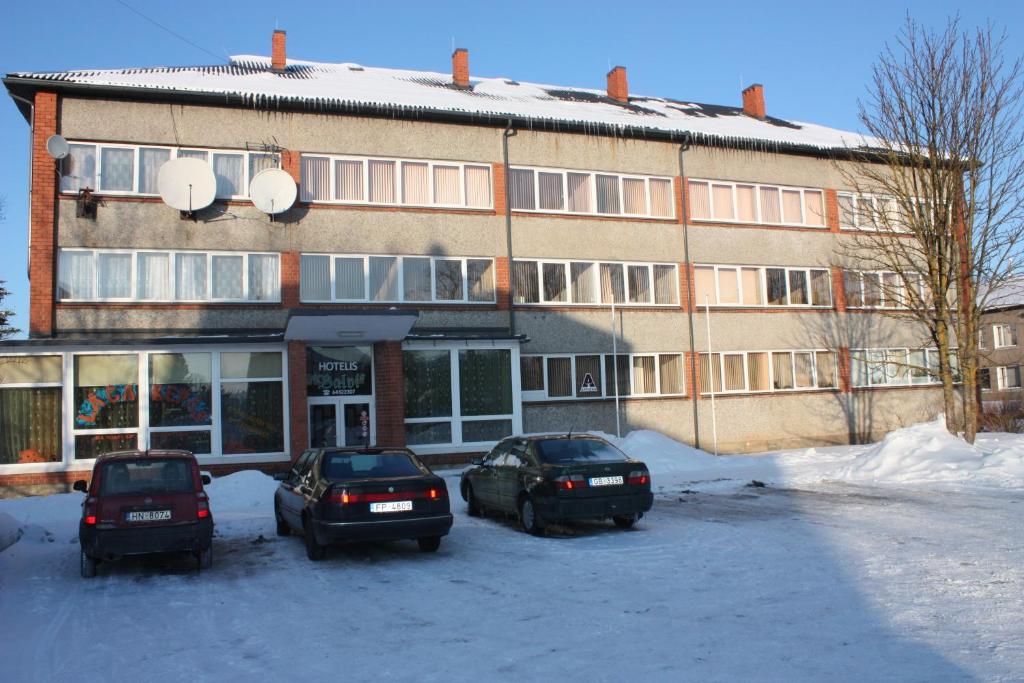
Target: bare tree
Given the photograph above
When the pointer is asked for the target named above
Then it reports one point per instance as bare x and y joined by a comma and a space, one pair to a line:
941, 188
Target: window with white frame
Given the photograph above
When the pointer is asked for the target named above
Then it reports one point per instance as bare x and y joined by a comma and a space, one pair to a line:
179, 400
594, 283
109, 275
729, 202
1008, 378
549, 190
590, 376
729, 372
762, 286
133, 169
457, 395
396, 279
894, 367
1004, 335
982, 339
872, 212
400, 182
31, 390
882, 289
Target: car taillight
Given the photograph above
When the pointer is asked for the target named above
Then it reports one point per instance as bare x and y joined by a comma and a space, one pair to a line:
570, 482
89, 512
341, 497
202, 505
436, 494
638, 477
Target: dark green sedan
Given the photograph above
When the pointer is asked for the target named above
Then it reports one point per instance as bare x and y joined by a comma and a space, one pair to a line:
556, 479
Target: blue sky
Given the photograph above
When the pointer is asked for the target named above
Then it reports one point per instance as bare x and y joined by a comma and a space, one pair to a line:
813, 58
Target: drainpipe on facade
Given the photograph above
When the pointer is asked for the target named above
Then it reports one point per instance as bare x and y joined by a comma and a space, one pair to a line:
509, 132
683, 148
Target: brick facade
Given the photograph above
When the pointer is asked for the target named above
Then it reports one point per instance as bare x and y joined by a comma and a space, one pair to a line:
42, 253
389, 384
298, 411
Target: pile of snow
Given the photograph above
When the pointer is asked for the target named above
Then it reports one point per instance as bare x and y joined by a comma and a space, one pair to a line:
662, 454
241, 490
922, 454
928, 453
10, 531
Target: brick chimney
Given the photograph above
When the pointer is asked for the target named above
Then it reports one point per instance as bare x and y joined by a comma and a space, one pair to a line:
277, 53
460, 67
618, 88
753, 101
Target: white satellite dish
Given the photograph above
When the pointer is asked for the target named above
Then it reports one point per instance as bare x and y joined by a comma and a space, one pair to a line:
186, 184
57, 146
272, 191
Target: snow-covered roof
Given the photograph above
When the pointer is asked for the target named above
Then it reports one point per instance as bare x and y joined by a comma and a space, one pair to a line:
404, 93
1008, 294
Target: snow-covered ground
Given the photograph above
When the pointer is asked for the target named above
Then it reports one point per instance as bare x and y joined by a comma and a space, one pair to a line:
899, 561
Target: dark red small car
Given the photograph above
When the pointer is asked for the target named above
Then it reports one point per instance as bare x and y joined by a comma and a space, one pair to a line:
145, 502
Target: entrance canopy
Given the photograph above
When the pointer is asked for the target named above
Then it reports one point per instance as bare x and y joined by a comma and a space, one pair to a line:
349, 327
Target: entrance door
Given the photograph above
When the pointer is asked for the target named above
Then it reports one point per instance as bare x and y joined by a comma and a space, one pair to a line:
341, 421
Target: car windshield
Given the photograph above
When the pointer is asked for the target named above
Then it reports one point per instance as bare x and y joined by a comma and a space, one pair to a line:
146, 475
368, 465
563, 451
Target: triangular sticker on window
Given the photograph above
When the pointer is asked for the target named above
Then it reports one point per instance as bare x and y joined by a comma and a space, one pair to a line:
588, 386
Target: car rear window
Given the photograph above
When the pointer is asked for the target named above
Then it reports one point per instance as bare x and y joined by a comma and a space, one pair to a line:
562, 451
368, 465
149, 475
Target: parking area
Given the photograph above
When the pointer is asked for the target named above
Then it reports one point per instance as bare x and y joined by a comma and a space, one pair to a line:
722, 582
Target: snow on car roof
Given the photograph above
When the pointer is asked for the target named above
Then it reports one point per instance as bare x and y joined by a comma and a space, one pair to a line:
399, 92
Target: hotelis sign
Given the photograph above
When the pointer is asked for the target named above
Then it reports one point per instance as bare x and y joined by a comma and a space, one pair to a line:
340, 371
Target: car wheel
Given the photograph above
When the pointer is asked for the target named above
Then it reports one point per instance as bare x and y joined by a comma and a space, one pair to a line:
624, 521
430, 544
472, 504
205, 558
528, 517
87, 566
314, 549
282, 526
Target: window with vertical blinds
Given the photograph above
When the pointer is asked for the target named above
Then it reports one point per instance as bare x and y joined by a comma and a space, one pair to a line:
605, 194
395, 182
719, 285
715, 200
594, 283
731, 372
600, 375
345, 278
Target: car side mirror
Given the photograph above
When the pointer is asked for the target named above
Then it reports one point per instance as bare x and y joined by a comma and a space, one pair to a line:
477, 461
280, 476
206, 479
81, 485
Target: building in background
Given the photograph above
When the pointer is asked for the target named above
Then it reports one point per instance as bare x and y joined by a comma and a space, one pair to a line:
425, 290
1001, 356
